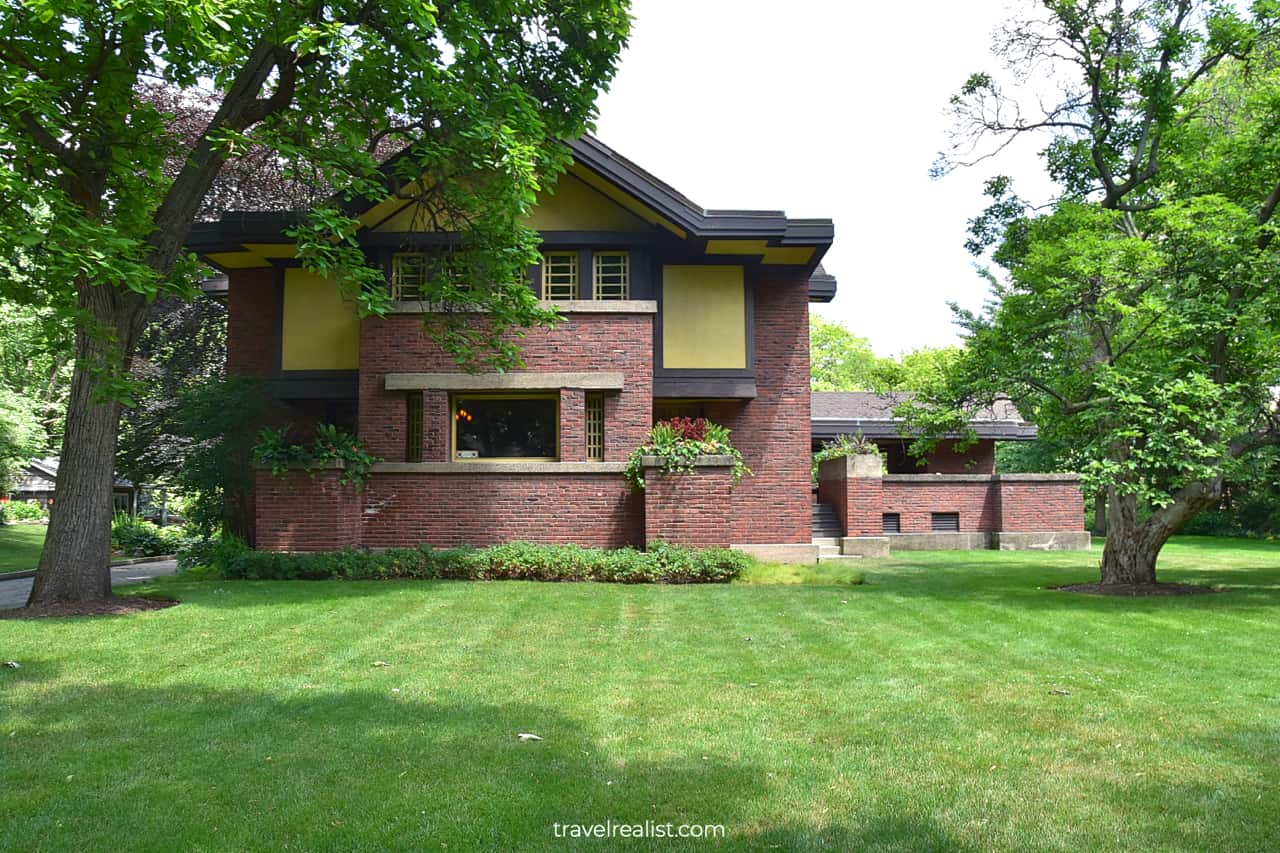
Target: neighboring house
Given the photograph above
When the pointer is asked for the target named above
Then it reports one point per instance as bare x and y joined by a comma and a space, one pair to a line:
40, 478
670, 309
871, 415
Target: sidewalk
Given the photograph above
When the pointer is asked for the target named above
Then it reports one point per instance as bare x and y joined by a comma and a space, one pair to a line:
13, 593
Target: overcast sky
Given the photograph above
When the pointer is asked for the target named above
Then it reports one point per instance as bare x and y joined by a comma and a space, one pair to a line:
823, 108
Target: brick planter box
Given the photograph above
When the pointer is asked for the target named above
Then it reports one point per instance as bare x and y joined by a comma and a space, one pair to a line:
689, 509
306, 510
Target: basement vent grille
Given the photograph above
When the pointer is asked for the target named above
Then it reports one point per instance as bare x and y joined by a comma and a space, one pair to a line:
946, 522
891, 523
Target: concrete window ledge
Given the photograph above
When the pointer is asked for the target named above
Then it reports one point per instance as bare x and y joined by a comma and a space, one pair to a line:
567, 306
523, 381
513, 467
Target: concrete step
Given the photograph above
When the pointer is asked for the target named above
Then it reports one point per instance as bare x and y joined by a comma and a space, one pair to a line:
828, 551
838, 558
833, 541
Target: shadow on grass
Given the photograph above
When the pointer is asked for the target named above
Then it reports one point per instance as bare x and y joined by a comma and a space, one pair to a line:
322, 768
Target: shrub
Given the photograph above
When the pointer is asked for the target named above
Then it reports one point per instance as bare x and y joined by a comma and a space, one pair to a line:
139, 538
662, 563
677, 443
24, 511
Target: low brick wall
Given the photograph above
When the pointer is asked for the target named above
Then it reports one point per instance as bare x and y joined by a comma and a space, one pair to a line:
690, 509
915, 497
1033, 503
986, 503
596, 510
303, 511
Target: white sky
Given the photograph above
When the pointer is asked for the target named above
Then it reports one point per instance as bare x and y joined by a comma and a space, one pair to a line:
824, 108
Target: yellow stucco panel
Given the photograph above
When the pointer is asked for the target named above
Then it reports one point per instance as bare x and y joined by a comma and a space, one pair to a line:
320, 330
571, 205
703, 317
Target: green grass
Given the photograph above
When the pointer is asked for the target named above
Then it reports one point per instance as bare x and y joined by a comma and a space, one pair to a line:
948, 702
20, 546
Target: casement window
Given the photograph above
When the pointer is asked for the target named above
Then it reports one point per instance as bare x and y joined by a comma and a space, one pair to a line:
560, 276
509, 427
611, 275
408, 275
946, 522
413, 427
891, 522
412, 274
595, 427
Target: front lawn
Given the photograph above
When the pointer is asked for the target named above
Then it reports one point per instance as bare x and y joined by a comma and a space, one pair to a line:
20, 546
946, 703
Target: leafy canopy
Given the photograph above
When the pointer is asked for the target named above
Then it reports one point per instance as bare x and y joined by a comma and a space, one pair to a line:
1137, 320
470, 94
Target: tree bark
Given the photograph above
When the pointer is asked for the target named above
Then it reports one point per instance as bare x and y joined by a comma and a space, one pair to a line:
75, 563
1100, 512
1129, 557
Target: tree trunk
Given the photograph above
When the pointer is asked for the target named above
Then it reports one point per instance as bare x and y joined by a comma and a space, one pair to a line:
1100, 512
75, 563
1128, 556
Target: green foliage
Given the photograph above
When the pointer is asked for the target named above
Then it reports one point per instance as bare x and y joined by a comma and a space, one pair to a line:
139, 538
661, 563
217, 425
331, 445
838, 359
21, 436
842, 446
842, 361
678, 443
1137, 322
25, 511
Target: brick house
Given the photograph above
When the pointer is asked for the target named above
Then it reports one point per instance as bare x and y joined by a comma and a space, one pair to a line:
669, 309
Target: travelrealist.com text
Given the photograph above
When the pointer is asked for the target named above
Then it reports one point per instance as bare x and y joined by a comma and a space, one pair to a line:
646, 829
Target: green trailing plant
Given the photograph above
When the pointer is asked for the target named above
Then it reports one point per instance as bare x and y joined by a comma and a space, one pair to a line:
275, 451
842, 446
677, 444
231, 559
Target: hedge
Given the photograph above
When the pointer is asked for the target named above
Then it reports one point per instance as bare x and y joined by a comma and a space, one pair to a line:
661, 563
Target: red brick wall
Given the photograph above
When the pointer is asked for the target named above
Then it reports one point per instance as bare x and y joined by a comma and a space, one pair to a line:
306, 512
835, 491
865, 499
690, 509
978, 503
772, 431
583, 342
978, 459
444, 510
252, 318
1037, 506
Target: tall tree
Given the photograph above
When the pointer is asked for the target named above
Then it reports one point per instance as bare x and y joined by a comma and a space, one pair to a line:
473, 93
1138, 321
839, 360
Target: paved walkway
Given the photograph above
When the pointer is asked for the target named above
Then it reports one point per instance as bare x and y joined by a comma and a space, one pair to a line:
14, 593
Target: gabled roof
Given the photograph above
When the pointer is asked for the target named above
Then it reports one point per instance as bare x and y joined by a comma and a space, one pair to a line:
38, 472
765, 234
835, 413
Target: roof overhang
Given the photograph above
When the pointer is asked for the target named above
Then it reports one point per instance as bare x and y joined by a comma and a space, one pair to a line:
242, 240
881, 428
